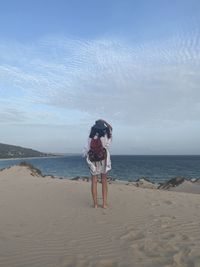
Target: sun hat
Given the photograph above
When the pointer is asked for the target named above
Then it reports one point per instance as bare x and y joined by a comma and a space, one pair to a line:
100, 125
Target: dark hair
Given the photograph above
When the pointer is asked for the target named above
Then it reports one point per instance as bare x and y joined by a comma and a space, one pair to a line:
100, 132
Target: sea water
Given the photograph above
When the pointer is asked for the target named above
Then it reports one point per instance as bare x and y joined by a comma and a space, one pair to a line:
129, 168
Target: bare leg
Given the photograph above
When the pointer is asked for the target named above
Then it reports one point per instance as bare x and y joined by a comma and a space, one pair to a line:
94, 190
104, 190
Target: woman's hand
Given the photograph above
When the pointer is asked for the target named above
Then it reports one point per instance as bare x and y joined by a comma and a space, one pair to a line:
107, 124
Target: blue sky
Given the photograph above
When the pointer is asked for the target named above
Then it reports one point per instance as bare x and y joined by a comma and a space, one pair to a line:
64, 64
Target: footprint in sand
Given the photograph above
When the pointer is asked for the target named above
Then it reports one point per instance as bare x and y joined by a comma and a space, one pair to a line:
165, 221
155, 204
168, 202
132, 236
181, 258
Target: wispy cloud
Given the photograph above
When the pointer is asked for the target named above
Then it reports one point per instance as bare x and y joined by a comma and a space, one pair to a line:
131, 83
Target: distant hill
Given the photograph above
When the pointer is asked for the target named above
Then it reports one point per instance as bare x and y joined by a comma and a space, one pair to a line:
10, 151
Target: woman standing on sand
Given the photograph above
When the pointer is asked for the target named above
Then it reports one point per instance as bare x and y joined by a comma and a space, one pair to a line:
98, 157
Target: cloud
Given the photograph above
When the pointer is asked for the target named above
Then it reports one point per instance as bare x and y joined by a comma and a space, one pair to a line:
10, 115
131, 83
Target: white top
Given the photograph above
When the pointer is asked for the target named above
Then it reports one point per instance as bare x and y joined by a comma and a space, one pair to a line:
104, 140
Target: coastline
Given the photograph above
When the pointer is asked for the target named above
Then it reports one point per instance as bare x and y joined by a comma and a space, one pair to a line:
189, 184
56, 156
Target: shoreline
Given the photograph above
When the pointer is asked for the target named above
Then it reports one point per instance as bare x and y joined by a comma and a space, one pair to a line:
176, 184
49, 166
5, 159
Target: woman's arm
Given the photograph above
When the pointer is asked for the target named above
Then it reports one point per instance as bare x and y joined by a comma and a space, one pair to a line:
105, 141
107, 124
86, 147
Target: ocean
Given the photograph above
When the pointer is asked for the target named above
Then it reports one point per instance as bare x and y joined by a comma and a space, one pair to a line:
128, 168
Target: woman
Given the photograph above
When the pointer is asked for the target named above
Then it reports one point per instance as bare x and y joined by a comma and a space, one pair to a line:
98, 157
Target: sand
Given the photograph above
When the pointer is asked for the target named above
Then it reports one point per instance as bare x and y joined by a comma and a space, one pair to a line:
51, 222
188, 187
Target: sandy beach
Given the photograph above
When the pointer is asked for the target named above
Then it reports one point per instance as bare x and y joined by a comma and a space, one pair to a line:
51, 222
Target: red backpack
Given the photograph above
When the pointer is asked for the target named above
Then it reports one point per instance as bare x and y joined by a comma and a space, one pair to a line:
97, 152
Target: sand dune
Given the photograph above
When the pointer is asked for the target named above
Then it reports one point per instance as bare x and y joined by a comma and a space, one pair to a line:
51, 222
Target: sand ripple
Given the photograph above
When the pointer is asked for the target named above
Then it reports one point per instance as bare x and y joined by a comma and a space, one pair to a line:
51, 223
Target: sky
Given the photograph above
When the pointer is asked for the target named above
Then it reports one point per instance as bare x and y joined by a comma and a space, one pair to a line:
135, 63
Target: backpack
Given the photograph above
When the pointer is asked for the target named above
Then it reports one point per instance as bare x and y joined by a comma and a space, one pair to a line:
97, 152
